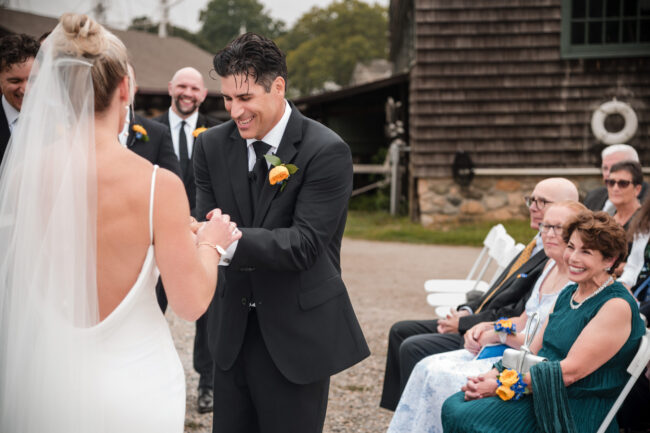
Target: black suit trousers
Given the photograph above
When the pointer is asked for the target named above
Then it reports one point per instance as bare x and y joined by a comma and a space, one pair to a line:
241, 394
410, 341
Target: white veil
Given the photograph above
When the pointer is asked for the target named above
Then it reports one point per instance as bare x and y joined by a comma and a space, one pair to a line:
48, 289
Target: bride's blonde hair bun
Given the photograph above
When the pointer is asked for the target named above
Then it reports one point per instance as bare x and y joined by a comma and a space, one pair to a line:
83, 33
86, 38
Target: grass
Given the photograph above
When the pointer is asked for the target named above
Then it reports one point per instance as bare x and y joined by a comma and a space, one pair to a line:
381, 226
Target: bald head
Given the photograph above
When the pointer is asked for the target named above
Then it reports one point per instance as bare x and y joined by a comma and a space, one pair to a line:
187, 91
549, 190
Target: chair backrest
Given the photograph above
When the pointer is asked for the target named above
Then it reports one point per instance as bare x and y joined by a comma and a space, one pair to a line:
488, 244
635, 369
503, 248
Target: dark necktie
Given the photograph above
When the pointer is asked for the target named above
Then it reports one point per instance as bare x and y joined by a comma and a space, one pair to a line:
182, 149
260, 170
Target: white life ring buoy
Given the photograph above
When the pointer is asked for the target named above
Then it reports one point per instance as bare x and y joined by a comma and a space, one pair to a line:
614, 107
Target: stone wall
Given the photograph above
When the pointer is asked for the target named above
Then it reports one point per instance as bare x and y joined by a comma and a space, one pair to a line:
491, 198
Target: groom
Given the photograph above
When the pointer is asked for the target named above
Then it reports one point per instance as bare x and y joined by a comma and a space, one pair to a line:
281, 322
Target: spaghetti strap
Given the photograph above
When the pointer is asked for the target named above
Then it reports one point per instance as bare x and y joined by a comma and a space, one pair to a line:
153, 187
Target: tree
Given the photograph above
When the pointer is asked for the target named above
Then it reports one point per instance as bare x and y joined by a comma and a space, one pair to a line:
144, 24
223, 21
326, 43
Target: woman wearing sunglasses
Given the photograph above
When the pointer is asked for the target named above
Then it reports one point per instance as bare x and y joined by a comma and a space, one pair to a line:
623, 188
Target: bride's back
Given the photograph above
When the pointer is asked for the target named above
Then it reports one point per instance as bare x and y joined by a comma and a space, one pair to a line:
123, 191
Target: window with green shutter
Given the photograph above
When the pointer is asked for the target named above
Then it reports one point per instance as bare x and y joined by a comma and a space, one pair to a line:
605, 28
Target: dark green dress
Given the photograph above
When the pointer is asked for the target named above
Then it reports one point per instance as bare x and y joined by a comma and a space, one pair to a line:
589, 399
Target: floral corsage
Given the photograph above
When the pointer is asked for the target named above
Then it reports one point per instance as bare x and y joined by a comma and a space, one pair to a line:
511, 385
504, 327
197, 131
140, 133
280, 172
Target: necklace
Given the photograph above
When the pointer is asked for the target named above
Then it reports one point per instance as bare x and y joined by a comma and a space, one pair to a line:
575, 305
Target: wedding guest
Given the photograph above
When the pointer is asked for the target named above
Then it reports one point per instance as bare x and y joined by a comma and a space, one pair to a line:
597, 199
185, 123
589, 340
623, 188
410, 341
437, 377
17, 53
636, 273
147, 138
281, 322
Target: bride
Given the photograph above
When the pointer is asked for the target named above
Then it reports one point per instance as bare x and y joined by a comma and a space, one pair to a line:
85, 224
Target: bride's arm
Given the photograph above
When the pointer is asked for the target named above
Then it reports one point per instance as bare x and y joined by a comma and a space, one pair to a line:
188, 271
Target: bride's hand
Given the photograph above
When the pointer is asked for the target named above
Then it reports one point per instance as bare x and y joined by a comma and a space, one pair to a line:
218, 230
195, 226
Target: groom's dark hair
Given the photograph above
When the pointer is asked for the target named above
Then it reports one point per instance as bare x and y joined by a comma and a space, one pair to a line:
16, 49
252, 55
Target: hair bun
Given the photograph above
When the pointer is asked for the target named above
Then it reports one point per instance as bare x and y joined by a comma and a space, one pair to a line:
83, 34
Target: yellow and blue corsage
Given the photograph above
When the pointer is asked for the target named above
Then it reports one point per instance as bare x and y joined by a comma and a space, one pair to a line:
511, 385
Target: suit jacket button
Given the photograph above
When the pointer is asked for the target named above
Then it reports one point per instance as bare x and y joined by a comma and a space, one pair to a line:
244, 301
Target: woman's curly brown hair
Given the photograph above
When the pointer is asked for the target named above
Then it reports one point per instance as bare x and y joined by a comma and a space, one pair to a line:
599, 231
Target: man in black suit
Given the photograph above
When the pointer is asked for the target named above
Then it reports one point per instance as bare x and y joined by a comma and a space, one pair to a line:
17, 53
185, 123
155, 143
281, 322
597, 199
410, 341
187, 91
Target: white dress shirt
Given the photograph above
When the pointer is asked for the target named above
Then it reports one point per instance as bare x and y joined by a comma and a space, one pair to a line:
11, 113
175, 126
272, 138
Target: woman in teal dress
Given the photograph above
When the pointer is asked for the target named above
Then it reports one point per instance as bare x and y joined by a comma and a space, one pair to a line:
589, 340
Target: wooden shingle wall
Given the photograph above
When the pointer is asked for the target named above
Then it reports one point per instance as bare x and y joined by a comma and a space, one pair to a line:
488, 79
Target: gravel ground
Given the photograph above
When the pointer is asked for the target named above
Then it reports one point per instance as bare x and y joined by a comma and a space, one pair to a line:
385, 282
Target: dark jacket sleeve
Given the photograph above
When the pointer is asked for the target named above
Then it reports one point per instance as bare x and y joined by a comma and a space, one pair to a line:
166, 156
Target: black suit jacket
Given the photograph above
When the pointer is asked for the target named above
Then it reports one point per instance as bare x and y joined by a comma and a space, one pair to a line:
510, 299
203, 121
288, 259
158, 149
4, 132
596, 198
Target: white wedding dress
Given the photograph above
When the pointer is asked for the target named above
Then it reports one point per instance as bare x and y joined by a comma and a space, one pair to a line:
137, 377
61, 369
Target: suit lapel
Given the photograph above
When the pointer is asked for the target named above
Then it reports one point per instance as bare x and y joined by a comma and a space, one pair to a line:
4, 132
286, 152
130, 139
237, 157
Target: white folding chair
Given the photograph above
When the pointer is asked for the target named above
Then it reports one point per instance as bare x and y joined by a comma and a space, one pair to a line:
635, 369
495, 241
449, 300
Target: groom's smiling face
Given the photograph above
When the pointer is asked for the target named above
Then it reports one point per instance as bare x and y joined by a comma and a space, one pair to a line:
254, 109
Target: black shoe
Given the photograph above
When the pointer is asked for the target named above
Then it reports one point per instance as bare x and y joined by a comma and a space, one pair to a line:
204, 401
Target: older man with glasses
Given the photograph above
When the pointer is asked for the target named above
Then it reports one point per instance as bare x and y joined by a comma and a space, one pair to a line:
410, 341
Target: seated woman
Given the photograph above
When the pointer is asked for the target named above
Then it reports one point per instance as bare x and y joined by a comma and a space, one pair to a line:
589, 340
437, 377
637, 267
623, 188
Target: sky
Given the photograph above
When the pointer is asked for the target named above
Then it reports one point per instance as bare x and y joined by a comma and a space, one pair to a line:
183, 13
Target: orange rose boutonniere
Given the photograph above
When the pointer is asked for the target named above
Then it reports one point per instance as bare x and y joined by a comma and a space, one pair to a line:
280, 172
197, 131
140, 132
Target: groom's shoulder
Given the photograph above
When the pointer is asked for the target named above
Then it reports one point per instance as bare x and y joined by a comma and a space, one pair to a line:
219, 134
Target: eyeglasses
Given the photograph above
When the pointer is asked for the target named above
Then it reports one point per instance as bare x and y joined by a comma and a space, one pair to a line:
539, 202
545, 228
622, 184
